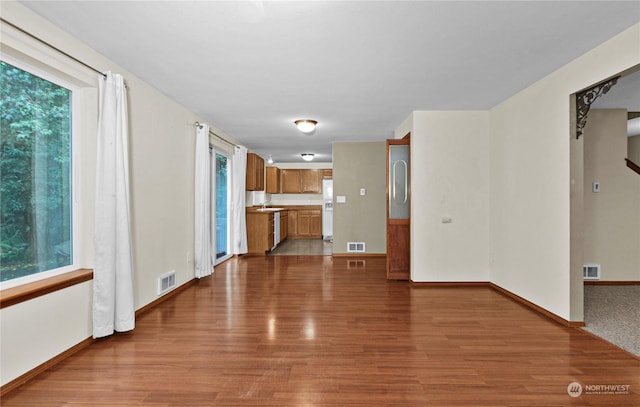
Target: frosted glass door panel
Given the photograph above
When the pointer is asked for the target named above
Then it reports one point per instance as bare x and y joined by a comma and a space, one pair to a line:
399, 198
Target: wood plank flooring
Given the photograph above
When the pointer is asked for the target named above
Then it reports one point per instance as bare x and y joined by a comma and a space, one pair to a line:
317, 331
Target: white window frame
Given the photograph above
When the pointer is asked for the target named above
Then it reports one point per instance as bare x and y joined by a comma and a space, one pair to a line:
75, 184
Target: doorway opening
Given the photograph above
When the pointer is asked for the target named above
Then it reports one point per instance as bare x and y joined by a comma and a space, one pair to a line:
605, 212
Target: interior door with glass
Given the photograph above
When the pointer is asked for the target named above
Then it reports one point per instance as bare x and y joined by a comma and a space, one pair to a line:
398, 209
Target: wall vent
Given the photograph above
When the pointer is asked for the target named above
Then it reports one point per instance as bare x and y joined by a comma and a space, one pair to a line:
166, 282
355, 247
591, 272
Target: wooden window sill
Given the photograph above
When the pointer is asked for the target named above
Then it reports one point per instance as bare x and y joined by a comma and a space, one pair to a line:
16, 295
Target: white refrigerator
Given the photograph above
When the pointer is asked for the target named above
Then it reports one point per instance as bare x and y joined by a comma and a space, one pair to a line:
327, 209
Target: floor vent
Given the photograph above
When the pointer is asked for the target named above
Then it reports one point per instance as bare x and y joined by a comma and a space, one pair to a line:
355, 247
591, 272
166, 282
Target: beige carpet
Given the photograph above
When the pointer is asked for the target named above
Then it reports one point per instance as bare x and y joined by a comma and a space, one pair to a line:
612, 312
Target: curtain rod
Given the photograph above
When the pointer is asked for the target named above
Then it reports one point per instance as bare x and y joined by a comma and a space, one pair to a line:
198, 125
53, 47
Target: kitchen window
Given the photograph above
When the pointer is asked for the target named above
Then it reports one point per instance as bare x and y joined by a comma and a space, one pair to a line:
36, 175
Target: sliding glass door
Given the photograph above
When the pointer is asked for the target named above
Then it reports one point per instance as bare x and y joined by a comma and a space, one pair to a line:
221, 200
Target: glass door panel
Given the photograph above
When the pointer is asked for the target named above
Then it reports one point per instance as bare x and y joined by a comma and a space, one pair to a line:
399, 182
222, 207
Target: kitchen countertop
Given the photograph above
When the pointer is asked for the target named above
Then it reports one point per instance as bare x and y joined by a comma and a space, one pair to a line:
258, 209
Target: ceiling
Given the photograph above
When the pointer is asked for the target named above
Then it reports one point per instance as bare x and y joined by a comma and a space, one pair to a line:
359, 68
625, 94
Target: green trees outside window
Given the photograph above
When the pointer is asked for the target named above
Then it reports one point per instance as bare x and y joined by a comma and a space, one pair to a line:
35, 174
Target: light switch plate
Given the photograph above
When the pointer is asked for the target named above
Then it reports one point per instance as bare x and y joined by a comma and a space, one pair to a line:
596, 187
362, 191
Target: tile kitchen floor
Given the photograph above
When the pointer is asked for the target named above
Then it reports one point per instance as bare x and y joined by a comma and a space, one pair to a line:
297, 247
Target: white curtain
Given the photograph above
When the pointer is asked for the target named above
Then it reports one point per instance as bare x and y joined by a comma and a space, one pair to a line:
238, 183
113, 305
202, 257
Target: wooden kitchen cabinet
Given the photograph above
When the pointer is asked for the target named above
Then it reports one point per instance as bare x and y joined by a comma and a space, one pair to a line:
292, 227
290, 181
300, 181
284, 225
259, 232
305, 223
310, 224
327, 173
273, 180
311, 181
255, 172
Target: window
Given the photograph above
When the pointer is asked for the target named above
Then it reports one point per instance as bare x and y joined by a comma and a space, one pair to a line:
36, 205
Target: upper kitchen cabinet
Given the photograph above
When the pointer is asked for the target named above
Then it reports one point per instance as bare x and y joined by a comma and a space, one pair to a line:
273, 180
290, 181
255, 172
327, 173
300, 181
311, 181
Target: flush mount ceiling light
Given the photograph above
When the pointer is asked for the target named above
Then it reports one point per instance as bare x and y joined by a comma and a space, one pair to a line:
306, 125
270, 159
307, 156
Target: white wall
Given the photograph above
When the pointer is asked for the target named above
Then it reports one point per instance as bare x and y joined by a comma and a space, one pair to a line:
528, 161
530, 180
449, 178
37, 330
162, 141
404, 128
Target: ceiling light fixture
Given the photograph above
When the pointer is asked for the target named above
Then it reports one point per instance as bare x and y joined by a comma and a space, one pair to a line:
307, 156
270, 159
306, 125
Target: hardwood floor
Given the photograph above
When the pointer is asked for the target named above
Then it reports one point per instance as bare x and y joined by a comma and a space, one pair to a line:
318, 331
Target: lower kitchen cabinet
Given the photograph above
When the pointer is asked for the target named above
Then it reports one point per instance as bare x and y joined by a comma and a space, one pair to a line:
293, 223
284, 225
305, 222
259, 232
296, 222
309, 224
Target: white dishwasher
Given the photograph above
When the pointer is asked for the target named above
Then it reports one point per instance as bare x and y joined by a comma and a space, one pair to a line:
276, 229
